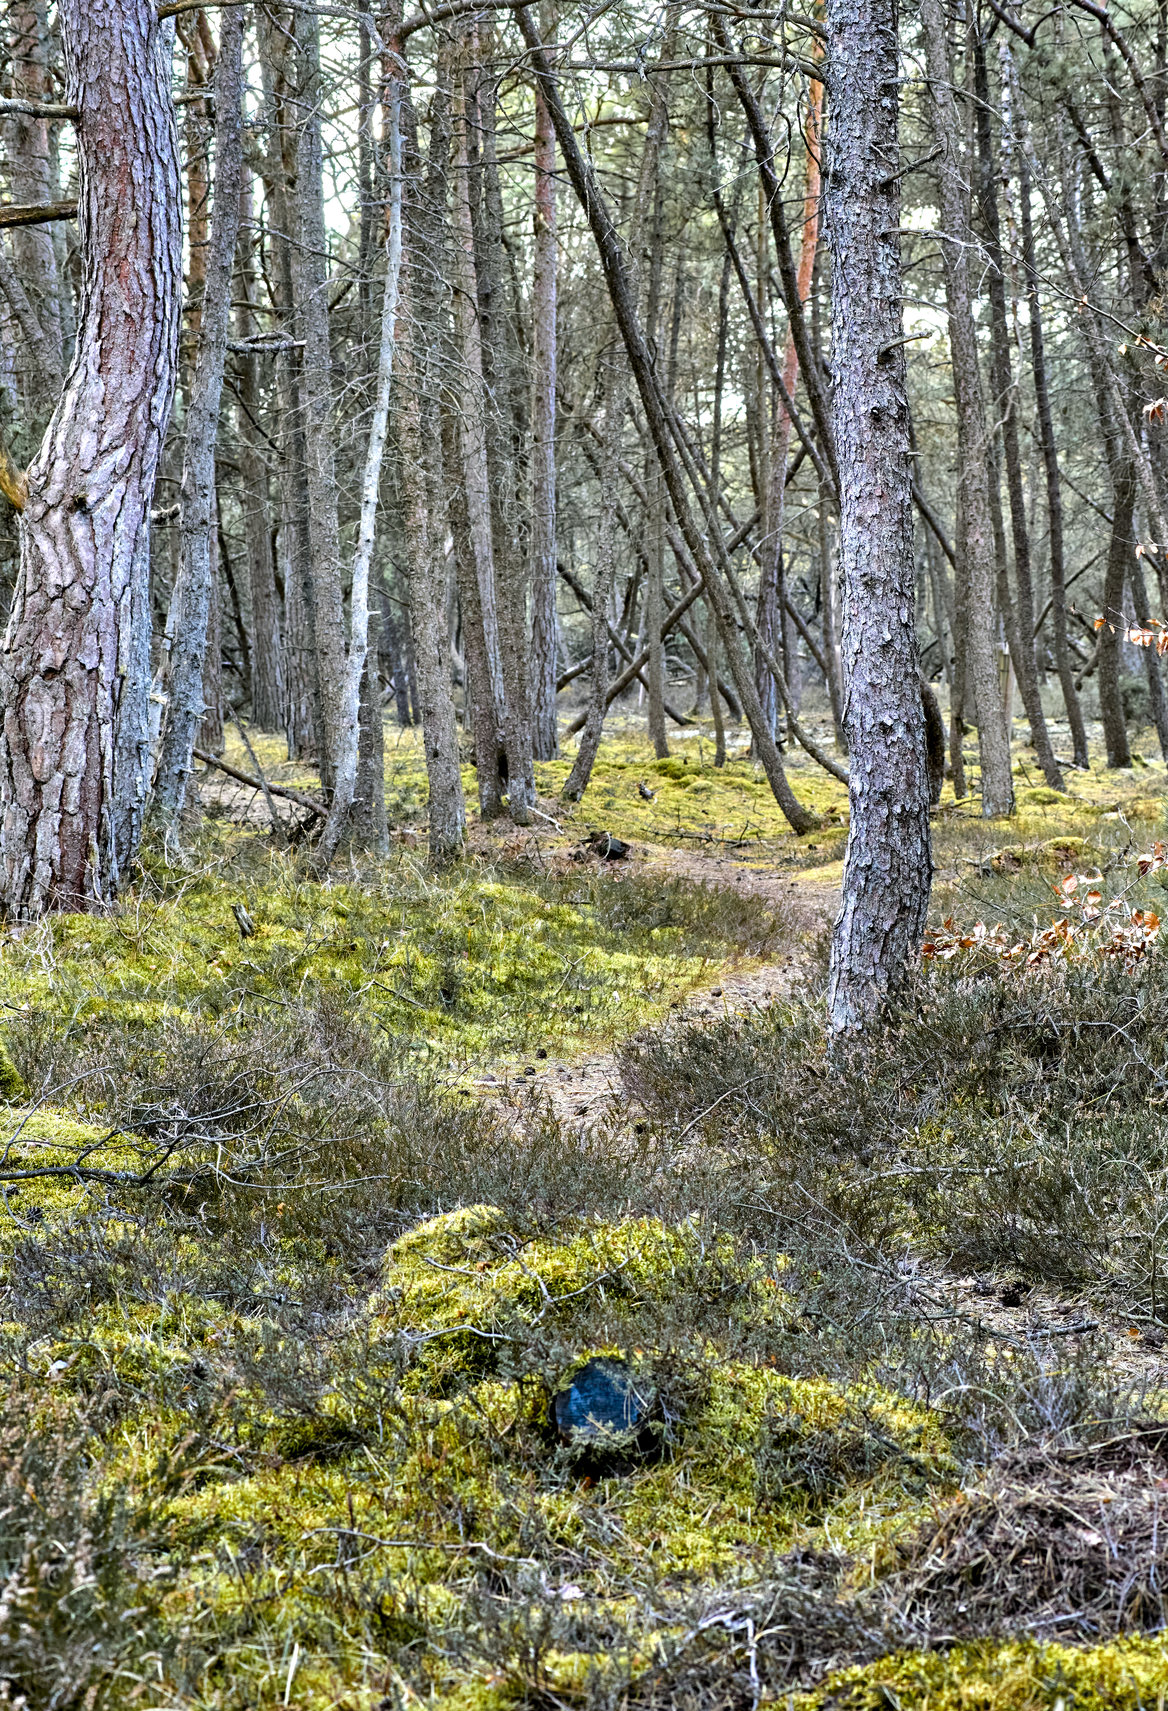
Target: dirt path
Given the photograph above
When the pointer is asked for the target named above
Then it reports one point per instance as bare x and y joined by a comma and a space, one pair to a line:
1050, 1324
585, 1090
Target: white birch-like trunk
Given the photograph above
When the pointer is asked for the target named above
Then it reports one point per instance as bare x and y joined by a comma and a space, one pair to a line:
347, 758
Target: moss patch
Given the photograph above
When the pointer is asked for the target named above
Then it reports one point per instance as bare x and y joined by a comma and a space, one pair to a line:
1129, 1674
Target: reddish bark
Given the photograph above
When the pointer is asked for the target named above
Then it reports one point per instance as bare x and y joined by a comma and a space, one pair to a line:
74, 667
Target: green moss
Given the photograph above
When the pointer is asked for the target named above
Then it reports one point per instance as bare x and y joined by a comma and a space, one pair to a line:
1055, 853
43, 1138
12, 1084
450, 969
1128, 1674
1042, 796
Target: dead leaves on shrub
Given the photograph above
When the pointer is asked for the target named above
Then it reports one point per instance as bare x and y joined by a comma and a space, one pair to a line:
1091, 927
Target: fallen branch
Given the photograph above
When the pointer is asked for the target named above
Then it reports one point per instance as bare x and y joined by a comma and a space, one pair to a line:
296, 796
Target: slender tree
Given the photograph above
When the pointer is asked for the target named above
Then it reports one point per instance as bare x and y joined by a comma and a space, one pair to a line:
192, 613
543, 441
888, 865
976, 569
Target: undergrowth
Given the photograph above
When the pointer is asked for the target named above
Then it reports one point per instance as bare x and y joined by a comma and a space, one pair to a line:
285, 1312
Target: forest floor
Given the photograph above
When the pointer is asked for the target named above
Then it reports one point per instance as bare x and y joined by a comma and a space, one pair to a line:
331, 1213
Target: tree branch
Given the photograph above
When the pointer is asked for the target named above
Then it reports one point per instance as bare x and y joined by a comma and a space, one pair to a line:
37, 213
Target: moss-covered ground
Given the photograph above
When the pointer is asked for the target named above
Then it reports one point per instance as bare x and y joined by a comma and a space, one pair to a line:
286, 1309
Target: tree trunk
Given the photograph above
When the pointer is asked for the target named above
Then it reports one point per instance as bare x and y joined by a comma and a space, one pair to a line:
190, 603
715, 698
668, 441
300, 713
310, 278
74, 668
499, 359
1119, 550
1143, 616
1054, 500
772, 624
888, 865
468, 493
419, 462
209, 736
543, 443
655, 613
370, 828
976, 525
348, 753
1021, 631
827, 597
267, 647
31, 181
614, 413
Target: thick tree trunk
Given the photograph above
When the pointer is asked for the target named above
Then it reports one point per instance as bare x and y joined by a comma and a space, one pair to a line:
191, 612
827, 598
543, 443
1119, 551
1021, 630
74, 668
977, 565
888, 865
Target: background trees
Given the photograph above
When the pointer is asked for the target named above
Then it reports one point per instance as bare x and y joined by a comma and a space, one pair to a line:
605, 374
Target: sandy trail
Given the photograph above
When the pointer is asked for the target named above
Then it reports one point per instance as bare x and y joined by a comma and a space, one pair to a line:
1051, 1324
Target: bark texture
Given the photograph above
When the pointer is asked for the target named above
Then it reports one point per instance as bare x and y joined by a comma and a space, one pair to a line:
888, 866
32, 175
192, 615
74, 668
